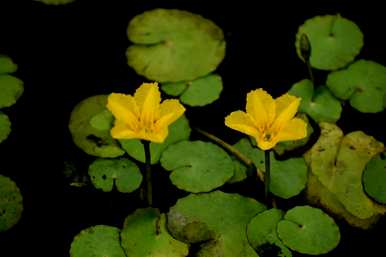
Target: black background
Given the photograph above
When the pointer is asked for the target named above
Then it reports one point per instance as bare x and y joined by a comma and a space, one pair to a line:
68, 53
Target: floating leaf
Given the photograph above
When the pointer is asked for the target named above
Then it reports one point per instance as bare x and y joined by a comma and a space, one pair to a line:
363, 83
165, 39
5, 127
174, 88
145, 235
335, 41
178, 131
11, 203
55, 2
288, 177
308, 230
91, 140
197, 166
320, 104
102, 121
223, 216
338, 163
262, 233
97, 241
122, 173
11, 89
374, 178
7, 65
202, 91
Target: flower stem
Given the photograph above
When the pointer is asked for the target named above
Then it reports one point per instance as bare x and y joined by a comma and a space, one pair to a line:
267, 176
148, 180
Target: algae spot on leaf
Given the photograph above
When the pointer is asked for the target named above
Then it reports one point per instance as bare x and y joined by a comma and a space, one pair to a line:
164, 39
374, 178
5, 127
224, 216
335, 41
122, 173
11, 89
97, 241
11, 203
308, 230
197, 166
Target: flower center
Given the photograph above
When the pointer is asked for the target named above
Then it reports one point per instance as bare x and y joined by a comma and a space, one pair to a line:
267, 137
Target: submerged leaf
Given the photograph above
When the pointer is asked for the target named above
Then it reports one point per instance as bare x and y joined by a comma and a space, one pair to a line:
5, 127
7, 65
55, 2
164, 39
11, 89
11, 203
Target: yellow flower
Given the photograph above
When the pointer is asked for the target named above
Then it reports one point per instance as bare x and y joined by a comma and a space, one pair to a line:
143, 116
269, 120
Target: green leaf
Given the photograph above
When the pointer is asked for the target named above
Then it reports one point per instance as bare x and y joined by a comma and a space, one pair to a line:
165, 39
178, 131
102, 121
11, 203
97, 241
262, 234
308, 230
5, 127
335, 41
224, 218
197, 166
11, 89
363, 83
338, 163
55, 2
320, 104
91, 140
122, 173
374, 177
145, 235
174, 88
7, 65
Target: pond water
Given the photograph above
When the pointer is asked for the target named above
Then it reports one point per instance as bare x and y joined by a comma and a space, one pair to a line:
68, 53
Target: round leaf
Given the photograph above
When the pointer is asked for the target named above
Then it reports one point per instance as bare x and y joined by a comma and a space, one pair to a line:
308, 230
5, 127
262, 234
374, 177
145, 235
7, 65
320, 104
91, 140
11, 89
102, 121
197, 166
173, 45
335, 41
124, 174
11, 203
97, 241
223, 216
178, 131
363, 83
174, 88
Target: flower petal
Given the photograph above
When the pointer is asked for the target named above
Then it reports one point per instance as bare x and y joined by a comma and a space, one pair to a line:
286, 108
156, 137
261, 107
123, 108
295, 129
170, 111
148, 98
242, 122
122, 131
266, 145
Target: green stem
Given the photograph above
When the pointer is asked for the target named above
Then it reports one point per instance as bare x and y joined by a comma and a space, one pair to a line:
267, 176
148, 180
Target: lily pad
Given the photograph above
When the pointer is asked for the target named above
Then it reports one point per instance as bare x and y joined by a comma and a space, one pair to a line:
308, 230
91, 140
5, 127
7, 65
102, 121
374, 177
224, 216
338, 162
55, 2
11, 203
174, 88
335, 41
97, 241
164, 39
262, 233
363, 83
11, 89
197, 166
145, 235
319, 104
122, 173
178, 131
288, 177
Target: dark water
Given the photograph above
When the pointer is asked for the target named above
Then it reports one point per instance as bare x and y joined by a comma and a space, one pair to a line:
68, 53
